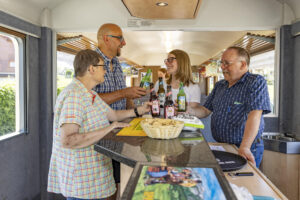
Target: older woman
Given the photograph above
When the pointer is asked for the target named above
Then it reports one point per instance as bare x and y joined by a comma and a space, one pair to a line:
179, 68
81, 119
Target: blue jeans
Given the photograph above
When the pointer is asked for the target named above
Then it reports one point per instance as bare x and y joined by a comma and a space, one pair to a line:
74, 198
257, 149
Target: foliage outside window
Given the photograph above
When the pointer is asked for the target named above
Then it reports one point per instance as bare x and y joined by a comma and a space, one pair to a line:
65, 70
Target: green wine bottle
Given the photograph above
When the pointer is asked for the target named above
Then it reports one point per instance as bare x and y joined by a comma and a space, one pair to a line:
145, 82
181, 99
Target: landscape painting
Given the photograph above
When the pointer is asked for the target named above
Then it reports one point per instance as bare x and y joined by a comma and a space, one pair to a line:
182, 183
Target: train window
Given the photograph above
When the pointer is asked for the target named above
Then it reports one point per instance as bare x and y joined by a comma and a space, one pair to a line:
65, 70
264, 65
12, 85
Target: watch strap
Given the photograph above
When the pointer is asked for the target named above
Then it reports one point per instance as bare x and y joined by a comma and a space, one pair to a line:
136, 112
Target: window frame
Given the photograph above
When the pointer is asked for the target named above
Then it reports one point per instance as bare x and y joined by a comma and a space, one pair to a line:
21, 120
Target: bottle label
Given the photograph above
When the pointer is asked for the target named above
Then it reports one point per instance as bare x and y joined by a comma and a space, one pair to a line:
169, 112
155, 107
146, 85
162, 98
181, 103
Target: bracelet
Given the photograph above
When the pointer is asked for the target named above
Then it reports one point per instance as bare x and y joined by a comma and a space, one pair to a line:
136, 112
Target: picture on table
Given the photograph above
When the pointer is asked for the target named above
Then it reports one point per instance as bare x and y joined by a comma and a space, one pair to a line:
160, 182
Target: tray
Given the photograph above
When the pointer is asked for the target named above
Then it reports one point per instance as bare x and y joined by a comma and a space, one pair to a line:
229, 161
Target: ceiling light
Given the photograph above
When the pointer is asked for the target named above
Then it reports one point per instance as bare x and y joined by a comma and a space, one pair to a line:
161, 4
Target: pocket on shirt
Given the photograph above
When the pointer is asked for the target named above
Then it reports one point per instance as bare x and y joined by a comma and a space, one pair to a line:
237, 114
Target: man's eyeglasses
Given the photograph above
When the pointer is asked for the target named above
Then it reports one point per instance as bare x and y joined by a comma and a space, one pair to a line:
227, 63
169, 60
121, 38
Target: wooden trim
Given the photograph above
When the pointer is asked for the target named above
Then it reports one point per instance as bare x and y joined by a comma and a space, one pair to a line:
215, 80
207, 81
11, 32
197, 8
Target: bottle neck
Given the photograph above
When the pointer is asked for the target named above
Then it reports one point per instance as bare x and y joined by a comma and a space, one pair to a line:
152, 92
169, 95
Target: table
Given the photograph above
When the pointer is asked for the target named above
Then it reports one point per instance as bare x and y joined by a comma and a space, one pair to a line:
190, 149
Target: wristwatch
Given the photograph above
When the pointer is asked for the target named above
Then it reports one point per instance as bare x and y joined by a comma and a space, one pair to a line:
136, 112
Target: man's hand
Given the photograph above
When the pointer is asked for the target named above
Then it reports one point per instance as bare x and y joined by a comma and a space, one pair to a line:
190, 110
144, 108
247, 154
133, 92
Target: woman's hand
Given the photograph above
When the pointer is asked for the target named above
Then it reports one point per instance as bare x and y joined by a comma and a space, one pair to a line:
119, 125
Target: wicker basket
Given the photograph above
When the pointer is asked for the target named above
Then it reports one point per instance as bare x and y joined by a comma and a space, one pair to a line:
162, 128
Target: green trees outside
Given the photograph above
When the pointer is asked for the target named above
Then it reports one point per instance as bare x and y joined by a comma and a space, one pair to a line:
7, 109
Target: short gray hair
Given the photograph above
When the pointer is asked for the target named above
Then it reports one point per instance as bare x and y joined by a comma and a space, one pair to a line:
241, 53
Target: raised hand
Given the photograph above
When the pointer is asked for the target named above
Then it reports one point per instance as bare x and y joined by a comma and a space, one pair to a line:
134, 92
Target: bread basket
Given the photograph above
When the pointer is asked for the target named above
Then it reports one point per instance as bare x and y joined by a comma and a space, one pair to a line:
162, 128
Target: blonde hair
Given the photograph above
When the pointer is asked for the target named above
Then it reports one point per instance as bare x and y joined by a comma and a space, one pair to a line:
184, 70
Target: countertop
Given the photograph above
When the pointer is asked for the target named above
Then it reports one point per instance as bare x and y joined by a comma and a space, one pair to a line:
189, 148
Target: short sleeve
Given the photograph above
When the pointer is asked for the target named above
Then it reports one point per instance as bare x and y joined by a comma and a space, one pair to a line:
72, 111
259, 96
209, 101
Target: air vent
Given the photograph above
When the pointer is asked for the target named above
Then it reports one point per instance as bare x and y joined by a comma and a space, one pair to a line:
138, 22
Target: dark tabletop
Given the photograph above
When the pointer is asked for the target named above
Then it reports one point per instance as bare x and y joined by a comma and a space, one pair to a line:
189, 148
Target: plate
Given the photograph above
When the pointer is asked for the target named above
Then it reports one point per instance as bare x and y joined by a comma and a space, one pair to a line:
229, 161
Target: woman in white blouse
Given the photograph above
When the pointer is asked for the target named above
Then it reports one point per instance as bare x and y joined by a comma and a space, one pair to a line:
179, 68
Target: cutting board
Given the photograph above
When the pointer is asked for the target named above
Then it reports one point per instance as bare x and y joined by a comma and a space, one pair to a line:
134, 129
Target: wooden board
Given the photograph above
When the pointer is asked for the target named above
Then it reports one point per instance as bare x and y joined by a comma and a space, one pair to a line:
134, 130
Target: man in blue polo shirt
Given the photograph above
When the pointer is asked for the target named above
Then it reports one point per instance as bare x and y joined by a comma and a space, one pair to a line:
238, 104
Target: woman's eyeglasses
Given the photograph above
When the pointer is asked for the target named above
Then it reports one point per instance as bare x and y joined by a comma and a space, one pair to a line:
169, 60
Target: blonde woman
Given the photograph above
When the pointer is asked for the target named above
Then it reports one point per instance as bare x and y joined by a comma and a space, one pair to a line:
179, 68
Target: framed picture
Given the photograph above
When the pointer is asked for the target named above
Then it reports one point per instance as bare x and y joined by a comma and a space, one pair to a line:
198, 181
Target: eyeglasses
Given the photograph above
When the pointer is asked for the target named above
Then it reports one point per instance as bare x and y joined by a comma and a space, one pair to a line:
227, 63
170, 60
121, 38
98, 65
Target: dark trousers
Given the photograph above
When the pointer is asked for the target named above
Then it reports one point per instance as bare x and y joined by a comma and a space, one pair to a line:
116, 171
